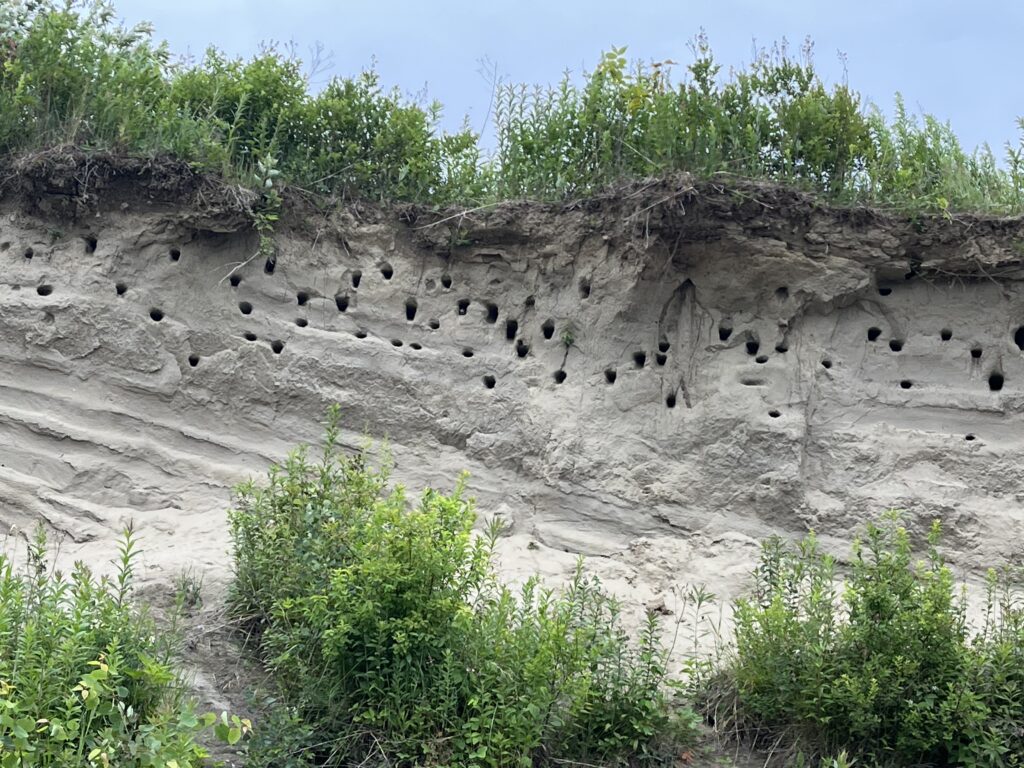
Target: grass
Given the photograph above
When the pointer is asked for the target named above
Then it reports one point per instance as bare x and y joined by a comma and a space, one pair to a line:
70, 75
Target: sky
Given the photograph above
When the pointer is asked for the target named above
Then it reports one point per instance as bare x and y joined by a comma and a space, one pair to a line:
958, 61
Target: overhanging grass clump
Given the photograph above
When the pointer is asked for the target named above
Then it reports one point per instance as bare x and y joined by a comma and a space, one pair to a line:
86, 678
393, 641
884, 668
70, 75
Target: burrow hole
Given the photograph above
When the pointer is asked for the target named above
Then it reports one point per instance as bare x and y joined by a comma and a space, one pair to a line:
522, 348
249, 336
121, 288
387, 270
302, 298
341, 302
584, 288
996, 381
761, 359
884, 291
906, 384
664, 346
416, 345
826, 363
548, 328
670, 401
301, 322
559, 376
467, 352
774, 414
896, 345
446, 281
610, 375
277, 346
976, 352
245, 307
724, 331
969, 437
175, 254
396, 342
660, 358
156, 315
410, 309
874, 333
193, 360
945, 334
357, 275
1018, 337
752, 345
434, 323
270, 265
781, 348
44, 290
463, 306
492, 312
360, 334
639, 358
90, 243
235, 280
29, 253
490, 381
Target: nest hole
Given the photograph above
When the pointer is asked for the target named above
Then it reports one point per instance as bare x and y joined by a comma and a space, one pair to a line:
1018, 338
270, 265
434, 323
761, 359
724, 332
584, 288
976, 352
249, 336
884, 291
511, 329
996, 381
90, 244
29, 253
559, 376
660, 358
610, 375
302, 298
416, 345
906, 384
896, 345
360, 334
548, 328
774, 414
490, 381
387, 271
277, 346
301, 322
826, 363
341, 302
121, 288
410, 309
175, 254
753, 345
156, 315
463, 306
44, 290
522, 348
446, 280
245, 307
492, 312
357, 277
467, 352
639, 358
235, 280
874, 333
664, 346
781, 349
396, 342
193, 360
670, 401
945, 334
782, 293
530, 301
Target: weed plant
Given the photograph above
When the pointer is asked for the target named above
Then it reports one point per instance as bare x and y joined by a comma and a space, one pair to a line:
392, 639
86, 679
884, 668
70, 75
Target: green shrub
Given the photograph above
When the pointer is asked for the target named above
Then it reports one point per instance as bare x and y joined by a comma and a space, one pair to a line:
86, 679
884, 668
389, 633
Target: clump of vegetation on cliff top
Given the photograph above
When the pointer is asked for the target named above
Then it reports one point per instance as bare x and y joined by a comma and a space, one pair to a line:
71, 75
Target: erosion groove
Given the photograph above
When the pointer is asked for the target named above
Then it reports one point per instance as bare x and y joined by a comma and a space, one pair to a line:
591, 419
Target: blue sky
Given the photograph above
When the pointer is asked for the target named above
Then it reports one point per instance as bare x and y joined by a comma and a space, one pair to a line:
959, 61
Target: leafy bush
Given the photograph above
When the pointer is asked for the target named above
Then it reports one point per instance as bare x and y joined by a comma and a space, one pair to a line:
884, 669
69, 74
85, 678
389, 633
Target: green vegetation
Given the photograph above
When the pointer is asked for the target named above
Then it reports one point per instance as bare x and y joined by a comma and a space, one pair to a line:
70, 75
85, 677
885, 669
391, 638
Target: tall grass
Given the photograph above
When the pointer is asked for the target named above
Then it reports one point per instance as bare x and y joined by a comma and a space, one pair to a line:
71, 75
